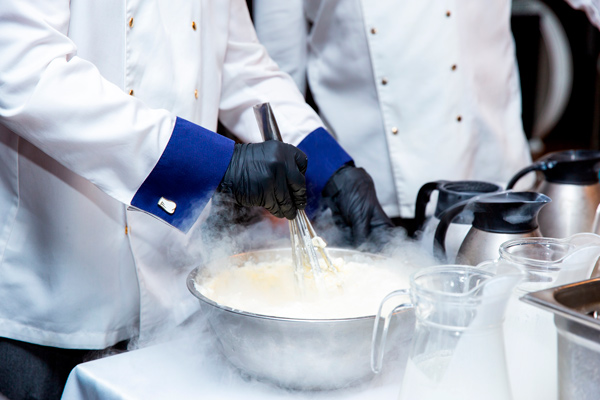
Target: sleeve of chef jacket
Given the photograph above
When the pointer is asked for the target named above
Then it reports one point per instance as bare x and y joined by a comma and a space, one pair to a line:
591, 8
251, 77
61, 104
282, 28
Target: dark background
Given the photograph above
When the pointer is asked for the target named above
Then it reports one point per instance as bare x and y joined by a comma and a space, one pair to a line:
579, 125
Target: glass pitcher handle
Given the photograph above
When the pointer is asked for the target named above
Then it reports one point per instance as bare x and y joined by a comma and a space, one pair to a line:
378, 340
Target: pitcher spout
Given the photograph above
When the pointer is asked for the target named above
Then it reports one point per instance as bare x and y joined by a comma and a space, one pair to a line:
587, 247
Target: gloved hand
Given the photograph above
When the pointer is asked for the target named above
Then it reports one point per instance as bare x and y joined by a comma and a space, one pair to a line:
350, 193
269, 175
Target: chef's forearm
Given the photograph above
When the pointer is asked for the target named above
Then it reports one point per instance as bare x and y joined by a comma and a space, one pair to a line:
250, 77
186, 176
282, 28
64, 106
325, 157
590, 7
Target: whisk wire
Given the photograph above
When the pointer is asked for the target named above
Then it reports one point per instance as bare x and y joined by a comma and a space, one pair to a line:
304, 253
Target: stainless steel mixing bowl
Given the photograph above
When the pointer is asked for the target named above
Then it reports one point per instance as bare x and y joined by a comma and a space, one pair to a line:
305, 354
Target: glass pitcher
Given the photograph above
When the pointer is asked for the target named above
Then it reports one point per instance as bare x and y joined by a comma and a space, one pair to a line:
529, 331
457, 350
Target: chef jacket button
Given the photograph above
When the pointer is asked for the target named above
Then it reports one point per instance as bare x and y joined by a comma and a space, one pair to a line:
459, 118
395, 130
448, 13
454, 67
384, 81
131, 92
126, 229
194, 25
196, 93
131, 22
373, 31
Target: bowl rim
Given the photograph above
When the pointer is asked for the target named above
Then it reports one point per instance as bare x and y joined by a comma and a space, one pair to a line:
191, 285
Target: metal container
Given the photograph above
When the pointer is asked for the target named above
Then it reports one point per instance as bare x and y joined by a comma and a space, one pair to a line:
449, 194
573, 209
305, 354
576, 308
570, 179
496, 218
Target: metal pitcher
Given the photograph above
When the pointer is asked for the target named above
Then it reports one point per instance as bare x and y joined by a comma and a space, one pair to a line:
497, 217
449, 194
570, 179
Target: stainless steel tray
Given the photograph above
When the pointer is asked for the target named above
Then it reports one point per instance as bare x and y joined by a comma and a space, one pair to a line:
578, 302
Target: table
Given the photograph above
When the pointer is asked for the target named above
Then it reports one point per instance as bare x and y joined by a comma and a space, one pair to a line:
189, 368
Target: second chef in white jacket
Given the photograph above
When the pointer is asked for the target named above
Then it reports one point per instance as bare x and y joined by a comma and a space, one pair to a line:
415, 91
111, 105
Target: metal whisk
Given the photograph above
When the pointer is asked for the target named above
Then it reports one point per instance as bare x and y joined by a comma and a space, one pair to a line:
306, 244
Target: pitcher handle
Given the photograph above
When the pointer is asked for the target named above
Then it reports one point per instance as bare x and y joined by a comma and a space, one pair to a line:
537, 166
423, 197
446, 218
378, 341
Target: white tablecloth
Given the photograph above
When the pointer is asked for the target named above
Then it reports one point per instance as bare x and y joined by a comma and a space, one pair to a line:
185, 368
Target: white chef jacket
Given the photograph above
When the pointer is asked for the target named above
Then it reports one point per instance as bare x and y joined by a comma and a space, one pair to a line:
415, 91
105, 104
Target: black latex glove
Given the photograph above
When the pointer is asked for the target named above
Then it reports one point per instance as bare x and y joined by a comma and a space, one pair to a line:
350, 193
269, 175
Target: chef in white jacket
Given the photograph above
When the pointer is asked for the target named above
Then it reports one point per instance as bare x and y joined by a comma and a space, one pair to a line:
415, 91
107, 118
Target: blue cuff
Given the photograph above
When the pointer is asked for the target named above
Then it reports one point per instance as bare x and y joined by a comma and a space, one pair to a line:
187, 174
325, 156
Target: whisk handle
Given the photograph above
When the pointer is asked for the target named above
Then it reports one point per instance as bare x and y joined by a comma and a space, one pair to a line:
266, 122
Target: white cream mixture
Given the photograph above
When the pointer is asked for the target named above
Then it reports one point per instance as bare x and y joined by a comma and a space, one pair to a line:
269, 288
